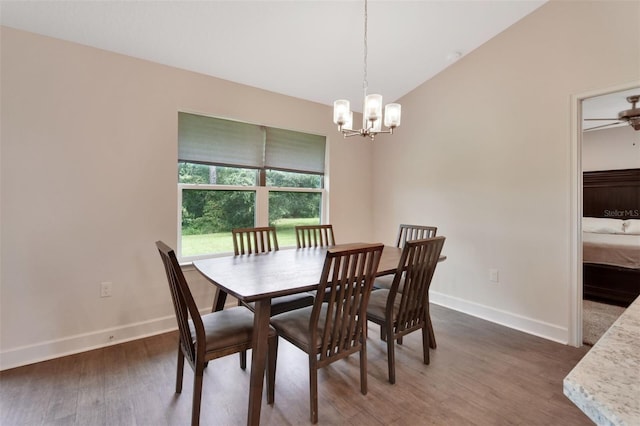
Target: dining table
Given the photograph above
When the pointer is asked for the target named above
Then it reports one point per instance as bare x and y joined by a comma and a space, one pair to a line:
259, 278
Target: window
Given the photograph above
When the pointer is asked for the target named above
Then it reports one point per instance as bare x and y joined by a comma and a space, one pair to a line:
233, 174
290, 208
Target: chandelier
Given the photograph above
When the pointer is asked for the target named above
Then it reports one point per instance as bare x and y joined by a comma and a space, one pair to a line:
372, 113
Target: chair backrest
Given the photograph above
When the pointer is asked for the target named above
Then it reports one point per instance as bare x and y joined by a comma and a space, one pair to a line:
254, 240
419, 259
348, 273
183, 303
315, 236
414, 232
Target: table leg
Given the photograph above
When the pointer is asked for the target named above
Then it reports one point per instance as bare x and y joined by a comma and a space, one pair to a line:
258, 359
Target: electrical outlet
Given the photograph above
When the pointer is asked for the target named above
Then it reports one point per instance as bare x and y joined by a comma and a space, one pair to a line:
493, 275
106, 289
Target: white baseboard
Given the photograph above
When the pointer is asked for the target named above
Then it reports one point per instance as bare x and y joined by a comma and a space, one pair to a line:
70, 345
51, 349
508, 319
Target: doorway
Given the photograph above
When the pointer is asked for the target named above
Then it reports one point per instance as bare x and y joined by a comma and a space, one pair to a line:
583, 105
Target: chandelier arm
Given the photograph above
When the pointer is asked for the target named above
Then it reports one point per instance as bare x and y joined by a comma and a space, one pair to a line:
380, 131
348, 133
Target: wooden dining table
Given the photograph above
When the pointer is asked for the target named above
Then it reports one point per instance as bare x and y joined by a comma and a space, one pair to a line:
259, 278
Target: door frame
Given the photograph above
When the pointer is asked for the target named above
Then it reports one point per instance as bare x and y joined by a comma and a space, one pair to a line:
575, 223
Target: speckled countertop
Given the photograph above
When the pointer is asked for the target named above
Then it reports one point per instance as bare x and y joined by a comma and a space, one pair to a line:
605, 384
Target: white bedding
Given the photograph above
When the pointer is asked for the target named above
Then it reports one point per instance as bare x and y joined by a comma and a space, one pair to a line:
611, 249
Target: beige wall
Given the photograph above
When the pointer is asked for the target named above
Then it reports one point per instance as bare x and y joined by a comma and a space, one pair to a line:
611, 149
484, 153
88, 175
88, 178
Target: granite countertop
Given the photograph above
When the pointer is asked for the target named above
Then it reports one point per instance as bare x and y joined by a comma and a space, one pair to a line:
605, 384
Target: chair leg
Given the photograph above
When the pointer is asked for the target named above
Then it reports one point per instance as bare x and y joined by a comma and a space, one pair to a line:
243, 360
271, 369
243, 354
197, 394
432, 336
180, 370
219, 300
363, 367
313, 388
425, 343
383, 333
391, 360
399, 341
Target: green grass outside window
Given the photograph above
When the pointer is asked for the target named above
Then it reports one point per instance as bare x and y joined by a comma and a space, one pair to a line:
221, 242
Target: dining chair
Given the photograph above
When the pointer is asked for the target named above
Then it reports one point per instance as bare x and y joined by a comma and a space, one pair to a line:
254, 240
407, 233
207, 337
308, 236
248, 241
332, 330
414, 232
263, 240
314, 236
398, 313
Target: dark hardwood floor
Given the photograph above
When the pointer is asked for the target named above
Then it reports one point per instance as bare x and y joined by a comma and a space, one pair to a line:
481, 374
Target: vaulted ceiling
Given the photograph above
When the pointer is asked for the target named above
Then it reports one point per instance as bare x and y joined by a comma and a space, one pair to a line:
307, 49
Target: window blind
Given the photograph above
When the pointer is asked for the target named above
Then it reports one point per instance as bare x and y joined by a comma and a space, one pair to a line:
215, 141
209, 140
294, 151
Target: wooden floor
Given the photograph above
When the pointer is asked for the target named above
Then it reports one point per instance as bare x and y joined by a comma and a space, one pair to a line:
481, 374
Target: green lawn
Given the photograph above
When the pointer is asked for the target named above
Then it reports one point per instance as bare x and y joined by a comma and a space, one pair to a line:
193, 245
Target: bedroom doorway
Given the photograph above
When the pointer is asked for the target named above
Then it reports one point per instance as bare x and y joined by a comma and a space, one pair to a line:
596, 145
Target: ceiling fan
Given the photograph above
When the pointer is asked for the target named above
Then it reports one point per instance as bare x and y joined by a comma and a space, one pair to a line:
630, 116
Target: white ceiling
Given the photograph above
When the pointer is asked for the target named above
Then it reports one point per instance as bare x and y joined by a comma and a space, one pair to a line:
606, 106
307, 49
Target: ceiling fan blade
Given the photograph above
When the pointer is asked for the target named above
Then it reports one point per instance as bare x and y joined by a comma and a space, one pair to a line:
604, 125
600, 119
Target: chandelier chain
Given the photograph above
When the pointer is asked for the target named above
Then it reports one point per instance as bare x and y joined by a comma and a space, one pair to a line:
365, 83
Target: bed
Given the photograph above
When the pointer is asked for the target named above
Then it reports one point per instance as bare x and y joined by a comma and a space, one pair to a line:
611, 236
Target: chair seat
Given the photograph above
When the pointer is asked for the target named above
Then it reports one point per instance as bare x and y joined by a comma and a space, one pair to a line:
385, 282
378, 305
294, 326
288, 303
227, 328
327, 294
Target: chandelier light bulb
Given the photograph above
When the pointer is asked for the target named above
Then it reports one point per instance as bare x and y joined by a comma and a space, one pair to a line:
341, 111
373, 107
392, 113
348, 124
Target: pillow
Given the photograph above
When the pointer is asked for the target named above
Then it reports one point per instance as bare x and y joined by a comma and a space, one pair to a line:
632, 226
602, 225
